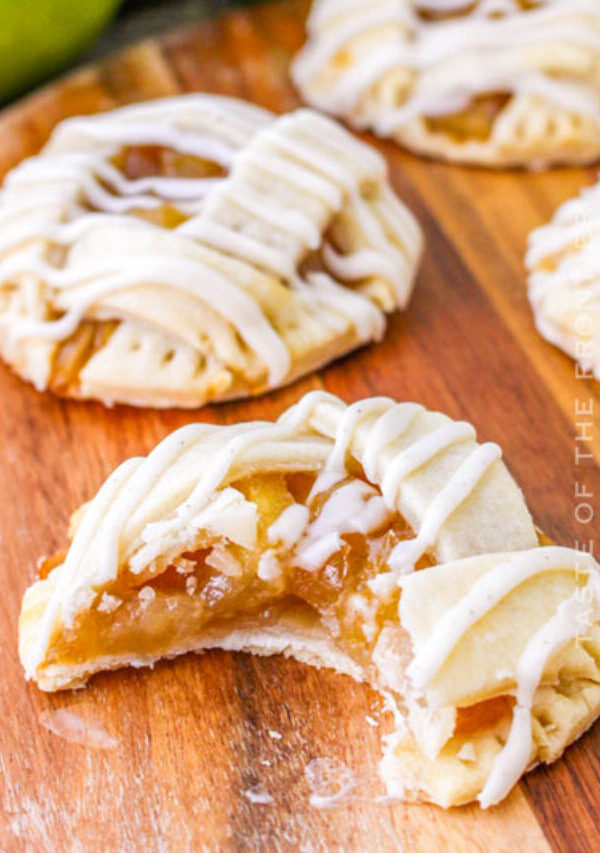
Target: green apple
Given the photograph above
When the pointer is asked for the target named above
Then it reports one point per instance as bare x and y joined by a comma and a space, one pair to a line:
40, 37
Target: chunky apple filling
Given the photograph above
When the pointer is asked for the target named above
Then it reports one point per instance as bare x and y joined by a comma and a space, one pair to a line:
136, 163
324, 542
144, 161
433, 13
482, 716
474, 122
323, 547
72, 354
149, 161
292, 538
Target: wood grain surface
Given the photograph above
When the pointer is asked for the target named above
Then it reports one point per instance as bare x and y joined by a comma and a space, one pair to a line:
185, 741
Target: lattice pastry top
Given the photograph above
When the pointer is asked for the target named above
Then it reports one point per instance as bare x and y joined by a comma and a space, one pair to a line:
497, 82
380, 539
196, 248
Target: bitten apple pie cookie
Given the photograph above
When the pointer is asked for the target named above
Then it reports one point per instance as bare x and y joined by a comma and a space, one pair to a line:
495, 82
563, 262
196, 248
379, 539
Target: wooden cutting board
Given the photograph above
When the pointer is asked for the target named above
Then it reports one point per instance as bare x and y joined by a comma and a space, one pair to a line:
169, 755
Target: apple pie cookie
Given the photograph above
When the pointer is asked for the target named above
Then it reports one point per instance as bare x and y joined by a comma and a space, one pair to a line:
196, 248
495, 82
379, 539
563, 262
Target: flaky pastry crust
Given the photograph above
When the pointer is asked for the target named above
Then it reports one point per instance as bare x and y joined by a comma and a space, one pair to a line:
563, 264
498, 83
194, 249
378, 539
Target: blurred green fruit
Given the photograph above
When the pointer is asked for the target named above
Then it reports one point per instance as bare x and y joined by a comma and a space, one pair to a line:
40, 37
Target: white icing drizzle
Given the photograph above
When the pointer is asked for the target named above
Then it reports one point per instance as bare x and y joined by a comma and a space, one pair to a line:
241, 245
216, 290
311, 61
483, 595
313, 554
393, 421
406, 553
323, 167
66, 590
324, 11
325, 481
347, 427
269, 567
218, 469
289, 526
362, 264
117, 133
373, 228
573, 617
364, 316
105, 518
351, 507
419, 453
564, 278
489, 49
368, 430
387, 429
98, 547
299, 225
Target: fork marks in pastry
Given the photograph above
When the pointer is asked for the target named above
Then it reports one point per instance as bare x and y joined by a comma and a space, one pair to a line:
187, 223
380, 539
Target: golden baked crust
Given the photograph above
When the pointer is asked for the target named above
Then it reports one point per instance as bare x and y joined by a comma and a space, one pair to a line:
509, 83
379, 539
196, 248
563, 263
